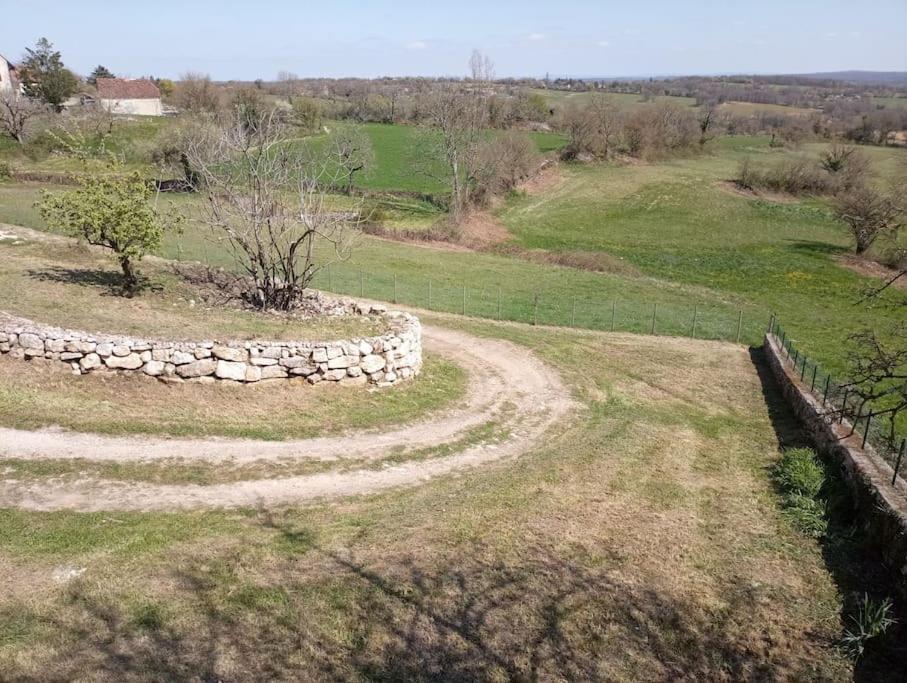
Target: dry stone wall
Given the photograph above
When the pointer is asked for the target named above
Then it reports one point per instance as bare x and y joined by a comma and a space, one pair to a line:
381, 360
880, 504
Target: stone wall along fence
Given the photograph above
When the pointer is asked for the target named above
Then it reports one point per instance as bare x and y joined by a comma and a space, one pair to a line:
880, 504
381, 360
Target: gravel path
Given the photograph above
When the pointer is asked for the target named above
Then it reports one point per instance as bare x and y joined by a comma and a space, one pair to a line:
502, 375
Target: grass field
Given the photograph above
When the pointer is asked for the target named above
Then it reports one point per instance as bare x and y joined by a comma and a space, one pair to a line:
558, 98
751, 108
642, 541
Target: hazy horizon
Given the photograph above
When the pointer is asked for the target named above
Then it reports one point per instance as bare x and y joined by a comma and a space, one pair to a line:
230, 41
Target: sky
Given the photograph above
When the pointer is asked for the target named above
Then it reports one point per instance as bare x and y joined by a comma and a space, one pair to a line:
236, 40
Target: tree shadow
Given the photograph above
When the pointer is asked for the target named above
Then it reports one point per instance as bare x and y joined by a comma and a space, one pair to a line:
814, 247
110, 282
467, 617
855, 563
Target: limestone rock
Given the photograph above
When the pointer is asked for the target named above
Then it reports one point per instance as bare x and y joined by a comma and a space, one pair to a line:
229, 353
230, 370
372, 364
181, 358
91, 361
130, 362
199, 368
154, 368
30, 341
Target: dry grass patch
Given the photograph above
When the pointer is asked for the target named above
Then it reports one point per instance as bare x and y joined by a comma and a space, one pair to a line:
641, 541
44, 393
57, 282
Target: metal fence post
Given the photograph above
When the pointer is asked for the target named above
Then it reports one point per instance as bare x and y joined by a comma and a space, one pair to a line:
866, 431
739, 325
395, 288
827, 386
573, 314
695, 317
803, 369
897, 464
783, 338
613, 312
815, 370
771, 324
535, 309
654, 313
796, 359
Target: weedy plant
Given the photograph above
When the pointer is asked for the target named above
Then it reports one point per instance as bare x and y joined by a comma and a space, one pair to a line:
801, 477
873, 618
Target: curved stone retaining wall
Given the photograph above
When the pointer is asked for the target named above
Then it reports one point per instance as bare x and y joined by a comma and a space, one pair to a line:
383, 360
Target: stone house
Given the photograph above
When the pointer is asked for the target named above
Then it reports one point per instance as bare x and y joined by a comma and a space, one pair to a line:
133, 97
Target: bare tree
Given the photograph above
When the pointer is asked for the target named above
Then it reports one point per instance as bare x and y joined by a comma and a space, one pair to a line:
196, 93
869, 214
16, 111
481, 68
457, 117
878, 371
266, 201
351, 148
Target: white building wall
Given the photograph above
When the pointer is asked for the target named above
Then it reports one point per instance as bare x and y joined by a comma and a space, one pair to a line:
137, 107
6, 83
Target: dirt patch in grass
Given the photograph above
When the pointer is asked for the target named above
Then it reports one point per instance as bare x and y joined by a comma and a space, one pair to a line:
549, 178
869, 268
733, 188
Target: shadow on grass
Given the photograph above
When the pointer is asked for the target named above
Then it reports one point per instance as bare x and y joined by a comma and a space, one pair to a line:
815, 247
470, 617
854, 562
109, 281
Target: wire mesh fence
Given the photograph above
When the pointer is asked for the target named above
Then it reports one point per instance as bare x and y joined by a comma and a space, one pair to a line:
713, 322
872, 424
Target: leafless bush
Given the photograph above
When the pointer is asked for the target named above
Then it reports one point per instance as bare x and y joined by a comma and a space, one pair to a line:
265, 200
17, 113
196, 93
869, 215
504, 161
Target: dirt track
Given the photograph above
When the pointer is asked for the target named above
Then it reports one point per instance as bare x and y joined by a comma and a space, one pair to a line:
502, 375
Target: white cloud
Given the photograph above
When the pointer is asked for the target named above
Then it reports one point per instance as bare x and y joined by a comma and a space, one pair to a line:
603, 43
536, 37
831, 34
417, 45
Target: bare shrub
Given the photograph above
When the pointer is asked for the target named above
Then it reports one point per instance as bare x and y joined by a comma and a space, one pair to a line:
17, 113
869, 215
265, 200
504, 161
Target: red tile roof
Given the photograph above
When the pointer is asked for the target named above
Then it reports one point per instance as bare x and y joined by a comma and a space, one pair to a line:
123, 89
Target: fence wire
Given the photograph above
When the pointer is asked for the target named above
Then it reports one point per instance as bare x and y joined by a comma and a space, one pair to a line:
869, 422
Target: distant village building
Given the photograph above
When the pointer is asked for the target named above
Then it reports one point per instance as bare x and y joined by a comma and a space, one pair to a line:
138, 97
8, 81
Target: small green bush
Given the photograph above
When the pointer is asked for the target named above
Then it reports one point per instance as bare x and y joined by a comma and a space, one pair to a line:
806, 514
5, 170
799, 473
873, 618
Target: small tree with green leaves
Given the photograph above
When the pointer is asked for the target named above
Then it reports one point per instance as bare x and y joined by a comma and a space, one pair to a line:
44, 77
114, 211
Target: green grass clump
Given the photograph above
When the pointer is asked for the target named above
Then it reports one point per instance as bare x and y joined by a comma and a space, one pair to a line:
872, 619
800, 473
800, 477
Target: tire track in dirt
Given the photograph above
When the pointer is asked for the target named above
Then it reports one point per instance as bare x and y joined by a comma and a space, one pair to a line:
500, 374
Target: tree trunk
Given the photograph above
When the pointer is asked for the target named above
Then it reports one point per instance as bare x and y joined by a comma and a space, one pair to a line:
130, 276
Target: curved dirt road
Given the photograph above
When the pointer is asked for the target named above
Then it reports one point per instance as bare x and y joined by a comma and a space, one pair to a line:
506, 382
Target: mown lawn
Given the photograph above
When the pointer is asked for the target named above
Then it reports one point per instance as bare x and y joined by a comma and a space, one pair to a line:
642, 541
